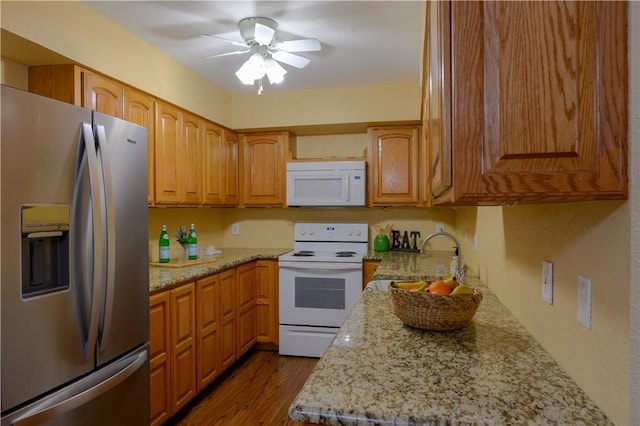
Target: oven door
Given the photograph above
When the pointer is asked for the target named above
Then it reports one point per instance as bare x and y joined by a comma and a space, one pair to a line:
318, 293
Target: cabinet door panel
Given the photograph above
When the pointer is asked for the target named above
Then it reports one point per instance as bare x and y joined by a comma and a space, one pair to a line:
228, 315
139, 109
394, 166
213, 161
266, 302
159, 352
263, 169
539, 115
231, 193
103, 95
191, 159
168, 152
207, 319
183, 374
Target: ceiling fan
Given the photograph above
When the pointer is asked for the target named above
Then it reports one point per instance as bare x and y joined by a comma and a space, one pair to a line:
259, 35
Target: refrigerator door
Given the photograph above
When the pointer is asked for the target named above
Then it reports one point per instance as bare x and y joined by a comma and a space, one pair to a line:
122, 150
42, 337
116, 394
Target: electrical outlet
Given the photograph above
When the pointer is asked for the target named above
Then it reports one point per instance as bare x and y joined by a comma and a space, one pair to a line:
584, 300
235, 229
547, 281
439, 227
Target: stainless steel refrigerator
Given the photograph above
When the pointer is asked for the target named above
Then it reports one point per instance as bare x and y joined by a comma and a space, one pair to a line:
74, 278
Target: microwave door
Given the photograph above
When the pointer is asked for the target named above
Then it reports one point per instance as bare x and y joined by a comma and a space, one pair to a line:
319, 189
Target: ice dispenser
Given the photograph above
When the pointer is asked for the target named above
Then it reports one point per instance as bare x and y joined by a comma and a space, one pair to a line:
45, 249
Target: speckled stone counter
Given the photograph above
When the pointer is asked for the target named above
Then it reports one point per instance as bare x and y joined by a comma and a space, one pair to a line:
407, 265
378, 371
163, 277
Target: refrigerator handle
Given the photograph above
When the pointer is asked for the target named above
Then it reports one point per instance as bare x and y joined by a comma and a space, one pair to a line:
69, 399
110, 242
87, 155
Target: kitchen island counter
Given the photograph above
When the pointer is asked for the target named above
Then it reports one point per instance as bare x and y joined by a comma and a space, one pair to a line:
163, 277
379, 371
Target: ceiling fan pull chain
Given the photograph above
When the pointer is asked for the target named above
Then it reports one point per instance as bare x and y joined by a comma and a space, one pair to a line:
260, 88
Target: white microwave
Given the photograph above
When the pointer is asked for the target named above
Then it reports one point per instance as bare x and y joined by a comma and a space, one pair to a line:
326, 184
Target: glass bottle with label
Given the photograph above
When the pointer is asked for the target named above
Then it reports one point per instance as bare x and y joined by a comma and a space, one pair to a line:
163, 243
192, 245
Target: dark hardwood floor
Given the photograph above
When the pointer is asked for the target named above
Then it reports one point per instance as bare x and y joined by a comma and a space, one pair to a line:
257, 390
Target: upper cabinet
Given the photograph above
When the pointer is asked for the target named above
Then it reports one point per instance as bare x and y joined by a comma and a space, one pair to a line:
537, 114
219, 166
264, 159
393, 166
139, 109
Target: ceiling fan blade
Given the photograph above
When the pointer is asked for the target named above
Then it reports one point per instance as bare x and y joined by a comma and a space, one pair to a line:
235, 52
226, 40
263, 34
291, 59
304, 45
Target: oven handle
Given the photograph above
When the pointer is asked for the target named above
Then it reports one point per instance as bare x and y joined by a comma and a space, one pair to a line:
297, 266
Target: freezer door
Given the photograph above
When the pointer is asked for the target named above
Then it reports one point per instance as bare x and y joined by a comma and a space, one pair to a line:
116, 394
42, 336
123, 152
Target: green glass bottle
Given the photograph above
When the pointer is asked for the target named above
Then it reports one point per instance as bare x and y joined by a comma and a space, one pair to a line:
163, 242
192, 243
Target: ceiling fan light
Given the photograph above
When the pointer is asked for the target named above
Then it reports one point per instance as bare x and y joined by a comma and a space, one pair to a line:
253, 69
275, 72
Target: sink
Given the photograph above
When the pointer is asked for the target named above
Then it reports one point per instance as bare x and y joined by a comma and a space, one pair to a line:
378, 285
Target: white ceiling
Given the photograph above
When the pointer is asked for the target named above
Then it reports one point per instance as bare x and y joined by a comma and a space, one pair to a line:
363, 42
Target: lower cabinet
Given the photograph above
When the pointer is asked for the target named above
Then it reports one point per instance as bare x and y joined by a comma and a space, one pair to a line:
199, 329
246, 306
368, 270
267, 302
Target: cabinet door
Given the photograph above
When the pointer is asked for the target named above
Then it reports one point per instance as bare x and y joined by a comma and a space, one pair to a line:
139, 109
393, 171
191, 168
228, 317
246, 306
266, 301
207, 320
263, 169
436, 156
183, 338
159, 350
213, 162
540, 115
61, 82
168, 152
231, 144
102, 94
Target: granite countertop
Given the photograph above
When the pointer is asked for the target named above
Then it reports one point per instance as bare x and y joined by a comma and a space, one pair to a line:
379, 371
163, 277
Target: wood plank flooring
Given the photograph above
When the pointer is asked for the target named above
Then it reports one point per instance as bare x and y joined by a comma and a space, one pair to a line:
257, 390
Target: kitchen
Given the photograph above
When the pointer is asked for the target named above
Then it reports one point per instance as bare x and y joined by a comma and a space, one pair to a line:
512, 240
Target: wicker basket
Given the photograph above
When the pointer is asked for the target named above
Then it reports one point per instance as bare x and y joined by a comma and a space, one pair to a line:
428, 311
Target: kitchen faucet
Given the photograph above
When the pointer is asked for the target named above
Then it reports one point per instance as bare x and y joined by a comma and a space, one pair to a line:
459, 267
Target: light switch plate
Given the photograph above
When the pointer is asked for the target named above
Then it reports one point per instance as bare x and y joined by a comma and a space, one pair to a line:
584, 300
547, 281
475, 242
439, 227
235, 229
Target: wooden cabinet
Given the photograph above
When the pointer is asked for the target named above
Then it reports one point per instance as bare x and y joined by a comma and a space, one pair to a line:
393, 166
264, 166
246, 307
139, 108
183, 345
219, 166
207, 330
368, 270
102, 94
178, 156
540, 115
78, 86
168, 151
191, 162
159, 353
227, 305
267, 326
